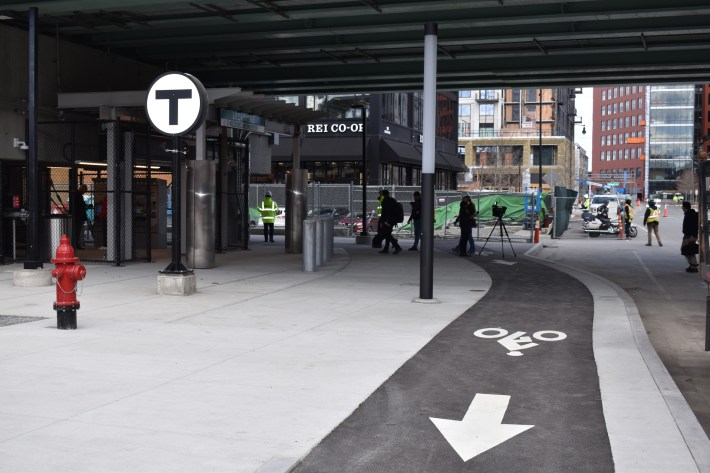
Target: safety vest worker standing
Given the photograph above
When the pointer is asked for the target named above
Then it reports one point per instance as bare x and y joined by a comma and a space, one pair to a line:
268, 209
651, 219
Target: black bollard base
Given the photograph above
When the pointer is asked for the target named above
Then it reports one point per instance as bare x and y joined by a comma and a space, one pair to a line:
66, 319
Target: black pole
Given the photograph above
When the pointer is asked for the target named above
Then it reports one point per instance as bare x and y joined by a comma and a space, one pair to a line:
363, 110
539, 153
33, 260
176, 266
426, 259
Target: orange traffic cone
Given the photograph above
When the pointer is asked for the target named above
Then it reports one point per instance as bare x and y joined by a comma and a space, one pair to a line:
665, 211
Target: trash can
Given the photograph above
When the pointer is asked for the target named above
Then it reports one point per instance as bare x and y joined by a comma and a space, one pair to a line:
56, 226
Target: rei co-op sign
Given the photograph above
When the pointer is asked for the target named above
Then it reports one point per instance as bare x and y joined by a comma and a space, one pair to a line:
176, 103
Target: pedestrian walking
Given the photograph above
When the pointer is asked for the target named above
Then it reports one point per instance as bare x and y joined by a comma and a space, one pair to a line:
689, 246
268, 209
388, 220
415, 218
466, 220
651, 219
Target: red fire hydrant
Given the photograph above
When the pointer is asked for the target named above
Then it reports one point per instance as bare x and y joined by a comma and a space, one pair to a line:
67, 272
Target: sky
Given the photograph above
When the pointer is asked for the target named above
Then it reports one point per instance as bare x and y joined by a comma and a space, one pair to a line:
585, 111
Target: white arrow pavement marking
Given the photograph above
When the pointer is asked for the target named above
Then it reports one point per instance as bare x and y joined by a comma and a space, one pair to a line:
500, 261
481, 428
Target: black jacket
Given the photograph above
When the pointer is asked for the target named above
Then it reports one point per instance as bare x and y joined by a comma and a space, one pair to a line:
690, 224
389, 210
416, 210
467, 214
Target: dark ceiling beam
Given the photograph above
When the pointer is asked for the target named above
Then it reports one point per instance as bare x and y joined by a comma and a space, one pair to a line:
372, 5
215, 9
269, 6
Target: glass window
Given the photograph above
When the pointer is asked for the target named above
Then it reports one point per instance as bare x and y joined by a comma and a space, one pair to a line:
464, 93
549, 154
485, 129
446, 126
604, 95
464, 110
486, 109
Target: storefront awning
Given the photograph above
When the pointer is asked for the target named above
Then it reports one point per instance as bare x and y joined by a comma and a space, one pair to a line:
398, 152
452, 162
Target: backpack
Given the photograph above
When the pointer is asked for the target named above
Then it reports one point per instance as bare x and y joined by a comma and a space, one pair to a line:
399, 213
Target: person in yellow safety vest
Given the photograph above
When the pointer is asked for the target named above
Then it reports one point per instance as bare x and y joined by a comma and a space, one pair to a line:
379, 201
586, 202
651, 219
268, 209
628, 217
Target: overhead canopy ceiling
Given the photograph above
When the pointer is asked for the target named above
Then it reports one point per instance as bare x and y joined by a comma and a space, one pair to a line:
289, 47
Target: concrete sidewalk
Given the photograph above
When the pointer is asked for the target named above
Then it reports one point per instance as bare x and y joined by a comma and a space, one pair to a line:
246, 375
251, 372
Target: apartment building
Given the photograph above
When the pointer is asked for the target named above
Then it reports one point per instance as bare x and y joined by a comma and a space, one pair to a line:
508, 135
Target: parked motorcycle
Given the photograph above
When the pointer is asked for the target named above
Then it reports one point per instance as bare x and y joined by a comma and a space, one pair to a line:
598, 225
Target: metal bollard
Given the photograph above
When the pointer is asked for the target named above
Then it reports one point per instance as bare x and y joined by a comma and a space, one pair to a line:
319, 241
331, 237
323, 244
309, 246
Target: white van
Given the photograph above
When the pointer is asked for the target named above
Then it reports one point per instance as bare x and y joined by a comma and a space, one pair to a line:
612, 201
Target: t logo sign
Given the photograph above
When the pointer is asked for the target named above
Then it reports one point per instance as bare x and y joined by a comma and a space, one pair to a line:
173, 96
176, 103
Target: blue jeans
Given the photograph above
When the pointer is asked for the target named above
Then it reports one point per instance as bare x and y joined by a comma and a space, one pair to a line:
466, 235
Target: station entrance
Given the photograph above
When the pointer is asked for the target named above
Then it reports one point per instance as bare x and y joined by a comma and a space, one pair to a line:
108, 185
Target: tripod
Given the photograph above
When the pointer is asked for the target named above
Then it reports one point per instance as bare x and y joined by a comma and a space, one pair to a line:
501, 228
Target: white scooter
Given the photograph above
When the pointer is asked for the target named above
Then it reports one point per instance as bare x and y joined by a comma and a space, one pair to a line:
598, 225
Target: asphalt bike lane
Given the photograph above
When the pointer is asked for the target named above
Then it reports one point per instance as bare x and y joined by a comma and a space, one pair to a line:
510, 385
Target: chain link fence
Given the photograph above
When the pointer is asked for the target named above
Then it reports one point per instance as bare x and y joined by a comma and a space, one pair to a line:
343, 202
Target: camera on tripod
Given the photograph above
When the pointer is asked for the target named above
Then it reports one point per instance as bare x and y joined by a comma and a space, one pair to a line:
499, 211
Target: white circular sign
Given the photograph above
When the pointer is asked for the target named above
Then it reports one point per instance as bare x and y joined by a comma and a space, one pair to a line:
176, 103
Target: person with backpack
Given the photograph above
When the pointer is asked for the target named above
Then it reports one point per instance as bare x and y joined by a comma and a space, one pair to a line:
466, 219
392, 214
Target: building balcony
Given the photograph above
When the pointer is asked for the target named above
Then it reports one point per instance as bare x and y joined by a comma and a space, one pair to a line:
487, 96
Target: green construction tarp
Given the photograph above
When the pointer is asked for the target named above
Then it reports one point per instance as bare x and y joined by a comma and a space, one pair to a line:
515, 209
